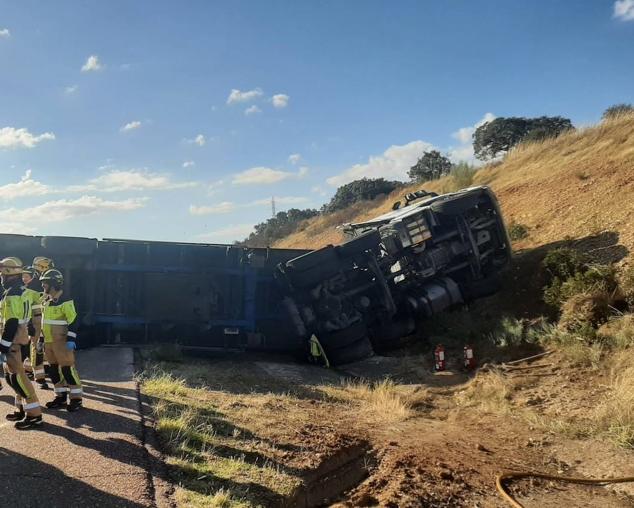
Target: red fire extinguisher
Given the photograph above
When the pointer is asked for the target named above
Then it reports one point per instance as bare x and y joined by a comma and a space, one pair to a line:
439, 357
469, 357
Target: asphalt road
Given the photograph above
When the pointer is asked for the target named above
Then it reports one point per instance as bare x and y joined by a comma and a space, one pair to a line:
92, 458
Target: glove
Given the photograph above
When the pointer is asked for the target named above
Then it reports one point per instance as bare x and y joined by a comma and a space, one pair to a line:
3, 358
70, 345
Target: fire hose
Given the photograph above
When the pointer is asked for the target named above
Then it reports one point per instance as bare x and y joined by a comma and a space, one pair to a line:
508, 475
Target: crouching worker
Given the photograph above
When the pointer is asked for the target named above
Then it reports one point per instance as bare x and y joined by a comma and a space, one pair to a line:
59, 325
15, 313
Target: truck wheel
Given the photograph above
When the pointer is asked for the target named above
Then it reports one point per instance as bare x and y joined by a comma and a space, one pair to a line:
481, 288
325, 255
343, 338
456, 205
367, 241
356, 351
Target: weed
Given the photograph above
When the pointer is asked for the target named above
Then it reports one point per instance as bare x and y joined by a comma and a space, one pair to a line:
490, 391
517, 231
618, 332
383, 401
615, 417
167, 352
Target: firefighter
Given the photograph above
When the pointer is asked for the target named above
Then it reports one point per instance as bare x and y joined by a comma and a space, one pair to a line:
33, 293
15, 312
59, 325
41, 264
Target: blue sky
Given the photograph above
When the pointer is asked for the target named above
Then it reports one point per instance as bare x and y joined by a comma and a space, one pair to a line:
179, 120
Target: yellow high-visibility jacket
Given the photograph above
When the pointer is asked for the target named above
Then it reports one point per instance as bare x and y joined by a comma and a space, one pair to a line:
14, 306
59, 319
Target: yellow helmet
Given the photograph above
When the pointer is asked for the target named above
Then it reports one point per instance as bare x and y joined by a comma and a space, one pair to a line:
42, 264
11, 266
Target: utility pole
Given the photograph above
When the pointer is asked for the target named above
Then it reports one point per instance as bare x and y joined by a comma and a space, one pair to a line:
273, 211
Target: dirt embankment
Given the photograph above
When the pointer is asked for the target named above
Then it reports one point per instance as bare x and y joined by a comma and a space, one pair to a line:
574, 186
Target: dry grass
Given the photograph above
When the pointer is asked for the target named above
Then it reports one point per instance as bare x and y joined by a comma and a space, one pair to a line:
384, 402
490, 391
615, 417
539, 186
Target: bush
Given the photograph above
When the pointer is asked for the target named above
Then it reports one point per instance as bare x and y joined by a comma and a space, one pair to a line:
587, 280
517, 231
618, 332
617, 110
360, 190
563, 263
582, 313
626, 283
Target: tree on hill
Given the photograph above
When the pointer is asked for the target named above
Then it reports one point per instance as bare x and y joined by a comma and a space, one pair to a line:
359, 190
502, 134
280, 226
616, 110
431, 166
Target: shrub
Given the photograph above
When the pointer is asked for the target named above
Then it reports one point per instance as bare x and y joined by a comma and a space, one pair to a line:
617, 110
360, 190
517, 231
563, 263
462, 175
618, 332
589, 279
626, 284
582, 313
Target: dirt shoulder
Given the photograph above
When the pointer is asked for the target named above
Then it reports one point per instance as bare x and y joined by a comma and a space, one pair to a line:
273, 433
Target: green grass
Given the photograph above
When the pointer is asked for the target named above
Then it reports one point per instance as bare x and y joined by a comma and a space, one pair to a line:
214, 461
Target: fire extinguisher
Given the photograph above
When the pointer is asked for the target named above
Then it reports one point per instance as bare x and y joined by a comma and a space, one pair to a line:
439, 358
469, 357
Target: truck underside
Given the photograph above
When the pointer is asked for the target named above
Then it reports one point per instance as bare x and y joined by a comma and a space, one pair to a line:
362, 296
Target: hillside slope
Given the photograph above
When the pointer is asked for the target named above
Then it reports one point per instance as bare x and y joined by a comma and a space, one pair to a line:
578, 185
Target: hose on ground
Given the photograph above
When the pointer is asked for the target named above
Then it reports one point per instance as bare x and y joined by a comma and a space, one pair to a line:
509, 475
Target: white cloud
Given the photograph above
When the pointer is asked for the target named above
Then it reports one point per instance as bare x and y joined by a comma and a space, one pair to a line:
624, 10
317, 189
393, 164
280, 100
294, 158
25, 187
263, 175
198, 140
464, 152
189, 164
227, 235
130, 180
64, 209
236, 96
130, 126
92, 64
10, 137
464, 134
220, 208
5, 33
252, 110
71, 89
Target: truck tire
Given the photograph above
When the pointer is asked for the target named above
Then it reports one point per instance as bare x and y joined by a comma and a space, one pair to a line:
481, 288
458, 204
313, 276
325, 255
343, 338
360, 244
354, 352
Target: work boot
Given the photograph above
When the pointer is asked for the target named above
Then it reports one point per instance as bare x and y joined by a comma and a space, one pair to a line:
43, 384
16, 416
74, 405
30, 422
58, 402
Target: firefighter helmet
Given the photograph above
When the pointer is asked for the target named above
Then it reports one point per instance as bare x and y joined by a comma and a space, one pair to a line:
30, 270
42, 264
53, 277
11, 266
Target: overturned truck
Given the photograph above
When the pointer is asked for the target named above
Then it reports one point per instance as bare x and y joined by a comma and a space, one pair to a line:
426, 255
